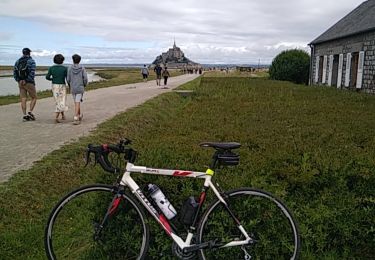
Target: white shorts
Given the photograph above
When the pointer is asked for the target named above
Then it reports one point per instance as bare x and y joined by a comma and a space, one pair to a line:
77, 98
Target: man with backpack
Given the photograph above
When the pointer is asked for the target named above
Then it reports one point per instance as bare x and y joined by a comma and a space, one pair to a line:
24, 74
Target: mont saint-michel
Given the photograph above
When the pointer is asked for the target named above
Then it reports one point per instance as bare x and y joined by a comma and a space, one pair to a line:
174, 58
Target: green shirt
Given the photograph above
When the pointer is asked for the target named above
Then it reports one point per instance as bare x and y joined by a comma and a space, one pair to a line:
57, 73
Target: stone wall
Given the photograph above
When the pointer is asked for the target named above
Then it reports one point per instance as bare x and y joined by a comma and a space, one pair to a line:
361, 42
368, 83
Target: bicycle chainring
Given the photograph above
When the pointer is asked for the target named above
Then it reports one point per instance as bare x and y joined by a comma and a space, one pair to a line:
177, 251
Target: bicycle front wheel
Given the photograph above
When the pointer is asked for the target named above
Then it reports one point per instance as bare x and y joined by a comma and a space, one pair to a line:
75, 229
265, 219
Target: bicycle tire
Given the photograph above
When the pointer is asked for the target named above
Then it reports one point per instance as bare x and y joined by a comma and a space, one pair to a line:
265, 218
70, 229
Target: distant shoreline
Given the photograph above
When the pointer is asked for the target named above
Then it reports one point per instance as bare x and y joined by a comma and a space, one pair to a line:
89, 66
139, 65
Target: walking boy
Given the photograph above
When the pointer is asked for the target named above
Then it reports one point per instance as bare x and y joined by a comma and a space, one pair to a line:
24, 74
77, 81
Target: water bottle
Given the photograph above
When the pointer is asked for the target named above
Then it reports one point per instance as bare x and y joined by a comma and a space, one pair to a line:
162, 202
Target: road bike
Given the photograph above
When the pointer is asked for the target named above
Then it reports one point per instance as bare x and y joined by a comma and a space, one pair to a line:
109, 221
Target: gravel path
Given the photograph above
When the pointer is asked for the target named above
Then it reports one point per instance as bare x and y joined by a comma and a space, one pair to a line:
23, 143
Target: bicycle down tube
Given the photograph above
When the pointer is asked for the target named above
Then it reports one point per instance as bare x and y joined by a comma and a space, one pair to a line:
127, 180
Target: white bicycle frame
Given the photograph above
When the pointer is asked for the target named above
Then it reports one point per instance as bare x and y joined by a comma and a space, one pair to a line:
128, 181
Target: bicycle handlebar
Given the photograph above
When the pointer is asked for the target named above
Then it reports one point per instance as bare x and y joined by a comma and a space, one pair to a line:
101, 153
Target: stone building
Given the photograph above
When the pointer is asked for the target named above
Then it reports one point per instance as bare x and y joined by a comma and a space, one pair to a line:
344, 55
174, 58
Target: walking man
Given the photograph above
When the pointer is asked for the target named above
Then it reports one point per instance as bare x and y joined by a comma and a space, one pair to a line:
144, 72
24, 74
158, 70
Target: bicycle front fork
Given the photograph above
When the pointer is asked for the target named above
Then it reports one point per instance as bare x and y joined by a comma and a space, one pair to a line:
112, 208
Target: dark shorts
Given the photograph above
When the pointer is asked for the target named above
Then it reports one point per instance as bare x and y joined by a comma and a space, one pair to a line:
158, 76
27, 88
145, 76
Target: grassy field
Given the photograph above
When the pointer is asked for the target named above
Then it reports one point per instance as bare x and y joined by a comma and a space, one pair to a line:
236, 73
113, 77
314, 147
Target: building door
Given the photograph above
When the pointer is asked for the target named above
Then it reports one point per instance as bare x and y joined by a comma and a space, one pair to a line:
354, 69
335, 70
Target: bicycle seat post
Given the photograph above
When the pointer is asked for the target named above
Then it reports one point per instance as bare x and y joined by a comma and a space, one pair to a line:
214, 160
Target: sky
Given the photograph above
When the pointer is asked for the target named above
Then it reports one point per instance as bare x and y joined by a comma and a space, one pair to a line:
136, 31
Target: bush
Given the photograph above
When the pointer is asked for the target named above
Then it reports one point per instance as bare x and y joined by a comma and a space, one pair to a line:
291, 65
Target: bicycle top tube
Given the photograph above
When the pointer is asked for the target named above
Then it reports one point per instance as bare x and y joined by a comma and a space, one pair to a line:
131, 168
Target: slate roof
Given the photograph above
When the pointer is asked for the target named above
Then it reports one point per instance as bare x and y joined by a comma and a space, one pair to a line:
359, 20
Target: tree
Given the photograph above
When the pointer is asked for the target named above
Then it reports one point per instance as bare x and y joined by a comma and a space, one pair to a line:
291, 65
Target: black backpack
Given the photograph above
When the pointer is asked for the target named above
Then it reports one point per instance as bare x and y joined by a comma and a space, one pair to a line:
22, 69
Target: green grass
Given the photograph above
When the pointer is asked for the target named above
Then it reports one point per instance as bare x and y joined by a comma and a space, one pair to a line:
236, 73
114, 77
314, 147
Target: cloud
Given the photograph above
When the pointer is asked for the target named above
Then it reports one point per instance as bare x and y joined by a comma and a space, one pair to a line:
43, 53
287, 45
4, 36
207, 31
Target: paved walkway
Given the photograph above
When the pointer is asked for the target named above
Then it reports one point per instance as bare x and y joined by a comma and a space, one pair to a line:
23, 143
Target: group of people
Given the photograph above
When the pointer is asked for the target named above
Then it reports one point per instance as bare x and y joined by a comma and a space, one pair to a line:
63, 78
74, 77
160, 72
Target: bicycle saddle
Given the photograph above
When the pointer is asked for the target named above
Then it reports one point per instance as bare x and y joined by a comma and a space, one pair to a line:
221, 146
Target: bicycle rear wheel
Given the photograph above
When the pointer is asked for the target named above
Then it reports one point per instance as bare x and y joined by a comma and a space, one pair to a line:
265, 218
71, 231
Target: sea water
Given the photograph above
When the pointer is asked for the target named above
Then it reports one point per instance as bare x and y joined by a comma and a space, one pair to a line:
8, 86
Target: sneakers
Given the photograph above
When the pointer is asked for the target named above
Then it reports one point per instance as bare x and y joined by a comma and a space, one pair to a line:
26, 118
76, 120
31, 116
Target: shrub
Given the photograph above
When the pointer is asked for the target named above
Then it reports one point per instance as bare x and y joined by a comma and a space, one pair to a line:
291, 65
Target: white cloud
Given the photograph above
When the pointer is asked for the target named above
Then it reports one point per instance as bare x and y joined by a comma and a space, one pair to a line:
287, 45
43, 53
207, 31
6, 36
